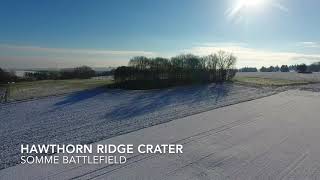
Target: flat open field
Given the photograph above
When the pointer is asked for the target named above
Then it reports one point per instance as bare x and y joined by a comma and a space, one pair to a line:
290, 76
35, 89
86, 112
276, 137
96, 114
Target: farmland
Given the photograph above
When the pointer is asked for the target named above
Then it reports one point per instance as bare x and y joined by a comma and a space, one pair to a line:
268, 81
44, 88
83, 111
91, 115
288, 76
35, 89
274, 137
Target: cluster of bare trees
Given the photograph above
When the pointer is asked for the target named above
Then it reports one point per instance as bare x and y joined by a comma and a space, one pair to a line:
181, 68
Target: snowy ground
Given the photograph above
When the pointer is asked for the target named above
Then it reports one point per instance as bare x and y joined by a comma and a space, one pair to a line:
93, 115
293, 76
275, 137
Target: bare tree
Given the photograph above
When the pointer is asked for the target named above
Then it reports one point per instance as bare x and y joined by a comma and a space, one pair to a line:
225, 60
212, 61
184, 68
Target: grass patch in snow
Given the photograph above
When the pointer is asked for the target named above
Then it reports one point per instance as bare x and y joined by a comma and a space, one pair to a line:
34, 89
268, 81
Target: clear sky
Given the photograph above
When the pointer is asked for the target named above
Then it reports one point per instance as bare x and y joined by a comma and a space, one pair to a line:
101, 33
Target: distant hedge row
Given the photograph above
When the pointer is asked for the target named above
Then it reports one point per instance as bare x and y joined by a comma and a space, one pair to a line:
143, 72
82, 72
301, 68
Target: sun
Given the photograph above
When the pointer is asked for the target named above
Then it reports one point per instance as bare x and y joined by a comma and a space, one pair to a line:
245, 9
244, 6
251, 4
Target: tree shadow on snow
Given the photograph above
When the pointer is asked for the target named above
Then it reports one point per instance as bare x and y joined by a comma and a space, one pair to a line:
81, 96
152, 101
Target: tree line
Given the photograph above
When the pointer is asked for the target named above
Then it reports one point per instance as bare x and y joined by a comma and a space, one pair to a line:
314, 67
283, 68
82, 72
301, 68
181, 69
248, 69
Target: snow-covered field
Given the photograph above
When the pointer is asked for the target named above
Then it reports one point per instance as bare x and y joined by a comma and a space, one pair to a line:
92, 115
314, 77
275, 137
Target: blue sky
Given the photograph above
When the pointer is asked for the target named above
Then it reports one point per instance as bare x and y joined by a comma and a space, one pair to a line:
67, 33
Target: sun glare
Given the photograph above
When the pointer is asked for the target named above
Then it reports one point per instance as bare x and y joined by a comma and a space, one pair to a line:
251, 3
243, 9
239, 7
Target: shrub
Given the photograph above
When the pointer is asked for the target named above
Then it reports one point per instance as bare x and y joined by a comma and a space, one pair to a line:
315, 67
284, 68
83, 72
248, 69
7, 76
302, 68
